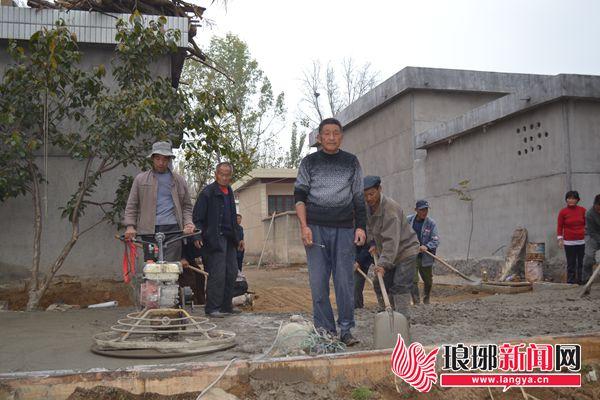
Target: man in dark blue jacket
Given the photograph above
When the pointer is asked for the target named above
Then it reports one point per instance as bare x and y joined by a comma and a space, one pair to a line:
215, 215
429, 239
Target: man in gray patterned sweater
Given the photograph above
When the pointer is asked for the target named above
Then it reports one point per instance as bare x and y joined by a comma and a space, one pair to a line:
331, 209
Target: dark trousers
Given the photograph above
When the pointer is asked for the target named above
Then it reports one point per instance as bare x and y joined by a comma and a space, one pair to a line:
222, 269
426, 274
589, 258
170, 253
398, 280
359, 286
191, 278
575, 263
240, 259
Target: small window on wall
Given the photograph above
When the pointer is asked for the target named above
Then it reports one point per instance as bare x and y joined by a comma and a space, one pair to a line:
281, 203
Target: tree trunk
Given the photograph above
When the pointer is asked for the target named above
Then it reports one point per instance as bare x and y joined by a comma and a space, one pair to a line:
470, 231
37, 239
36, 294
34, 298
238, 125
37, 291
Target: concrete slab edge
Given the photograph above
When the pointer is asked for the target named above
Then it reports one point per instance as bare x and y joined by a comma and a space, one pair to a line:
351, 368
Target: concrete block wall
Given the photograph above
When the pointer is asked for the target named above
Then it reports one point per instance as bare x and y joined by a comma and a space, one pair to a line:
383, 144
511, 184
284, 244
585, 149
96, 254
509, 187
252, 209
431, 108
384, 140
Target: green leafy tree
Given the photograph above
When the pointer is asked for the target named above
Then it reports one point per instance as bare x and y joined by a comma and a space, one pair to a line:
46, 100
296, 152
255, 116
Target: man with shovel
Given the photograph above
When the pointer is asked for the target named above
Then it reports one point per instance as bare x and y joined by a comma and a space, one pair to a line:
428, 236
396, 245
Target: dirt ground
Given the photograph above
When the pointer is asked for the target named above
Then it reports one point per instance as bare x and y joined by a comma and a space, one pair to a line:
70, 290
285, 290
261, 390
38, 341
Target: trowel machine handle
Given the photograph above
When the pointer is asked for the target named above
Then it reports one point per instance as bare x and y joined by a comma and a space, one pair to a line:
159, 240
159, 234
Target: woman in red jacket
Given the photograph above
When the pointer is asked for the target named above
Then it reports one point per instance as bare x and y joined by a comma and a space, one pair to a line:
570, 232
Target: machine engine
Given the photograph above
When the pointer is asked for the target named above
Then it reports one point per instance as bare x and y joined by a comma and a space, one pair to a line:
160, 288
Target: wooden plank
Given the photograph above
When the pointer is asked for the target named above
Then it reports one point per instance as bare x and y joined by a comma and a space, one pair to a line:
516, 252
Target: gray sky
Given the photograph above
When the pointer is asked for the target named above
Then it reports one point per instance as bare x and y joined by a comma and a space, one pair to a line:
530, 36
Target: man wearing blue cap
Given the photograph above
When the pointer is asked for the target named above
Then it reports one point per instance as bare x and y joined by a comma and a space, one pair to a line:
395, 243
428, 236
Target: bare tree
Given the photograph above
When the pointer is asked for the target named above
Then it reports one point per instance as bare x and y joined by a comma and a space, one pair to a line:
311, 85
338, 86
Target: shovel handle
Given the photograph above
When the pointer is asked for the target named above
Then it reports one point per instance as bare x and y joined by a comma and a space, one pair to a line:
386, 299
198, 270
441, 260
588, 285
360, 271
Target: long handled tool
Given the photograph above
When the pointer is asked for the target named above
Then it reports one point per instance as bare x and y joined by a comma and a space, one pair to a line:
198, 270
445, 264
360, 271
388, 323
588, 285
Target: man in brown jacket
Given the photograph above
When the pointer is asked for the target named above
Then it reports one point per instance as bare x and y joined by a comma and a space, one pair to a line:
396, 244
159, 201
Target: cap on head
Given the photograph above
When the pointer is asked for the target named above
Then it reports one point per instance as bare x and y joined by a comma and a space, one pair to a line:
371, 181
162, 148
421, 204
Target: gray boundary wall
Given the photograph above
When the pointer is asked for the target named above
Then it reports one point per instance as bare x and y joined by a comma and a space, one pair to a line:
96, 254
424, 130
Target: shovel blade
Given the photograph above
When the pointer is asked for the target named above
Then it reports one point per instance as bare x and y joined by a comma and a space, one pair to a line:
387, 327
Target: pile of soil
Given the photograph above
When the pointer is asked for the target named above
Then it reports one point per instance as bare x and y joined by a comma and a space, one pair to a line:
71, 290
112, 393
389, 392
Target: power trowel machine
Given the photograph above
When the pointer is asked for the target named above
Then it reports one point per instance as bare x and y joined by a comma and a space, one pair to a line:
163, 328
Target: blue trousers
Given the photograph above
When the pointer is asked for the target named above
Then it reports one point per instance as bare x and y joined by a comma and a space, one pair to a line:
335, 259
